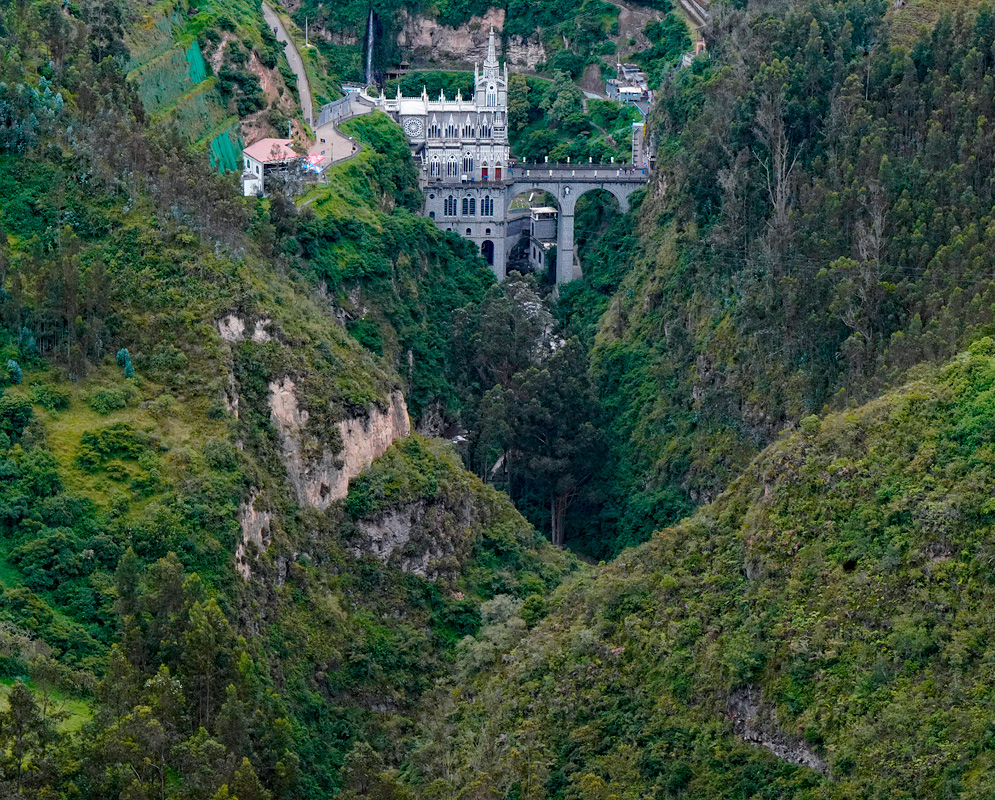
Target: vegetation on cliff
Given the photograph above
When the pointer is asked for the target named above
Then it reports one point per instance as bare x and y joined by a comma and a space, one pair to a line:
816, 227
186, 613
832, 605
176, 620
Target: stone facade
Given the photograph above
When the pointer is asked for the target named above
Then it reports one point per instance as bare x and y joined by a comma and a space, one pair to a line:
462, 147
467, 175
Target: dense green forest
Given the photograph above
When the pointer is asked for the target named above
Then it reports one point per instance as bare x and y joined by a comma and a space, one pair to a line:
818, 226
177, 618
831, 608
279, 478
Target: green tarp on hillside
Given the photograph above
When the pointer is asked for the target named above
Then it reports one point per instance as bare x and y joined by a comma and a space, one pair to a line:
198, 69
225, 152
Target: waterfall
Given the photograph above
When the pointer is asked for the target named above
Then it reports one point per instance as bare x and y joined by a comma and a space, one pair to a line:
369, 49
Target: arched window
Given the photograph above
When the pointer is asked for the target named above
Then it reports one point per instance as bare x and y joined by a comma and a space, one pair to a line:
452, 167
487, 206
434, 129
451, 132
435, 169
467, 163
485, 127
466, 207
491, 94
473, 206
468, 128
450, 206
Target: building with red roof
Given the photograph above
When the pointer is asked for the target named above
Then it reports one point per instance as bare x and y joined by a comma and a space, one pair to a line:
263, 159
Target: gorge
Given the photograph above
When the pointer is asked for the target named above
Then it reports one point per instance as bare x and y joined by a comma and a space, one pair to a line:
302, 499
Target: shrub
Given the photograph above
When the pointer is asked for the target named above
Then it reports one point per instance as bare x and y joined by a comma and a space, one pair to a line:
221, 455
119, 440
14, 370
104, 401
165, 363
49, 396
11, 667
15, 414
533, 609
163, 406
810, 425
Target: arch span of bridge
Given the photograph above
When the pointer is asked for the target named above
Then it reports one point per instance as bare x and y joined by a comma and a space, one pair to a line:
566, 182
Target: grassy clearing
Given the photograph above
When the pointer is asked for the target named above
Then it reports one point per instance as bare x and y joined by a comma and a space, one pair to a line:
183, 429
347, 191
917, 17
77, 710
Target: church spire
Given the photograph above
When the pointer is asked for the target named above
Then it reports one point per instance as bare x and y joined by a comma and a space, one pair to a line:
491, 63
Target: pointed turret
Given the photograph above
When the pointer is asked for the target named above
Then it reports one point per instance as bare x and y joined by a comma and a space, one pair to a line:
491, 63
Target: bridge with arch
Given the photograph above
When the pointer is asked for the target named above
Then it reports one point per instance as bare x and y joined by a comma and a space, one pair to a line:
454, 204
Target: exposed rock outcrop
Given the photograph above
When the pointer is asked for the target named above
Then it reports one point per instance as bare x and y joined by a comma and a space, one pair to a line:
430, 40
321, 478
757, 724
256, 534
232, 329
426, 539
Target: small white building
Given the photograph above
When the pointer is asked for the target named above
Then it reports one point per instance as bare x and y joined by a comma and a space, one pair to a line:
542, 236
265, 158
631, 86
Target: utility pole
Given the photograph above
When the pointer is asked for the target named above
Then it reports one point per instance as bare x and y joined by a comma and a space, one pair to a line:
306, 45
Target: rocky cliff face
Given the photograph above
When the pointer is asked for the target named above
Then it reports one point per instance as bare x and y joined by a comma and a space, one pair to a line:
320, 478
256, 534
426, 539
757, 724
428, 39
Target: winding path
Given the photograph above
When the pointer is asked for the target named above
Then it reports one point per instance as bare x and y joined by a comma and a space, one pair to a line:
330, 144
295, 61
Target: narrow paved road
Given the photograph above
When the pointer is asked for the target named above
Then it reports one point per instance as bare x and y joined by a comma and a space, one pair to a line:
295, 61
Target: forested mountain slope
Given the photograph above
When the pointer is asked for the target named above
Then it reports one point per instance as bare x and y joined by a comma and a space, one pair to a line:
832, 607
204, 594
819, 223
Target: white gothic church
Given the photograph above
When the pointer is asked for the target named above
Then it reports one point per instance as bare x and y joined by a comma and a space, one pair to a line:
462, 147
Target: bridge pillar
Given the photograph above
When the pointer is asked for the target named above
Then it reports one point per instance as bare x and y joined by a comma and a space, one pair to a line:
500, 265
565, 244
